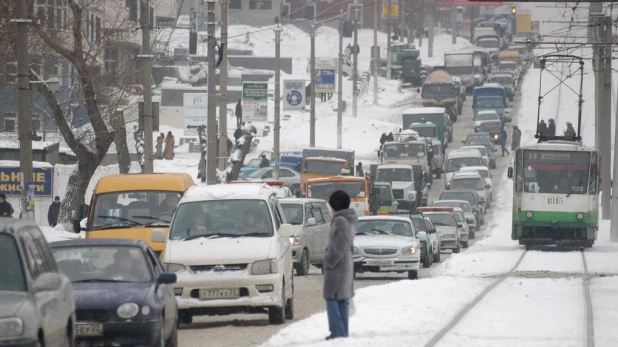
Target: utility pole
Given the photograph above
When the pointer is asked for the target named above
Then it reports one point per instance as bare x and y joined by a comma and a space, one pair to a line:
606, 94
401, 14
613, 234
375, 55
355, 65
211, 157
595, 27
430, 24
193, 28
24, 99
147, 85
277, 101
312, 84
223, 88
472, 10
340, 85
388, 41
454, 25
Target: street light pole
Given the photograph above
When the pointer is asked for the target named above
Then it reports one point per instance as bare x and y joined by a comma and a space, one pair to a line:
24, 101
211, 156
277, 139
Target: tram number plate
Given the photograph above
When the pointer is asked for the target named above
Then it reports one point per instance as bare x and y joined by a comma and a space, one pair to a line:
555, 201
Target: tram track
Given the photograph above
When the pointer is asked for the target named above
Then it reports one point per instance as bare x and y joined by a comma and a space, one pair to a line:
589, 340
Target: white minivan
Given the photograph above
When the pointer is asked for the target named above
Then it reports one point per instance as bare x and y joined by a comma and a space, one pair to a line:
455, 160
230, 248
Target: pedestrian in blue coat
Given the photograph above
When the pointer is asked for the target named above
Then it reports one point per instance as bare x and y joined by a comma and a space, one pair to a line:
502, 138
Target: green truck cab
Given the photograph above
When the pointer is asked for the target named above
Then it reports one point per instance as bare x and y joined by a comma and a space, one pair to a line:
435, 115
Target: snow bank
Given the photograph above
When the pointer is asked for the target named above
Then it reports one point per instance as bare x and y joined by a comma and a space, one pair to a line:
605, 307
394, 314
58, 233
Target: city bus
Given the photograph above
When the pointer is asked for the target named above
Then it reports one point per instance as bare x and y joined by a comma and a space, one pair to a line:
356, 187
319, 167
555, 194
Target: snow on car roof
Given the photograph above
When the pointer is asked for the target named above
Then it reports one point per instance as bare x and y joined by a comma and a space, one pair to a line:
299, 200
424, 110
474, 168
251, 191
394, 166
387, 217
487, 112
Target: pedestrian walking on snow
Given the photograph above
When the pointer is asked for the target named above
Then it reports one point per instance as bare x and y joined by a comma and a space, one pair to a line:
338, 265
169, 146
515, 141
159, 151
6, 209
238, 113
502, 139
53, 212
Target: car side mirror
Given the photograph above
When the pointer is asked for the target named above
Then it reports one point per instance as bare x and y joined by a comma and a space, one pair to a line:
286, 230
459, 225
488, 185
421, 234
509, 173
167, 278
311, 221
431, 231
48, 282
158, 236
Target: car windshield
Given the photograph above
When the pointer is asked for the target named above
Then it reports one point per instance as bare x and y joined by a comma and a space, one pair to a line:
503, 80
507, 66
12, 276
129, 209
450, 195
480, 149
488, 43
259, 172
460, 70
455, 164
464, 206
222, 218
386, 194
392, 175
254, 162
459, 218
466, 183
438, 91
402, 150
489, 103
441, 219
323, 190
491, 126
478, 140
426, 131
487, 116
103, 263
325, 167
419, 224
481, 172
293, 213
384, 226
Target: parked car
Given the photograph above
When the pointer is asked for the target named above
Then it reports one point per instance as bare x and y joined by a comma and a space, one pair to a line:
446, 226
485, 174
251, 166
238, 230
474, 181
37, 307
311, 218
469, 214
123, 296
470, 196
289, 177
386, 244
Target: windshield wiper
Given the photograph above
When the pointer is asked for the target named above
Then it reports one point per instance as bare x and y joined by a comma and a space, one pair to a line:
384, 232
152, 217
254, 234
98, 280
120, 219
579, 185
115, 226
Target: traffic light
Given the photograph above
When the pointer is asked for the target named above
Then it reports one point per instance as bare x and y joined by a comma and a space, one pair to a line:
513, 10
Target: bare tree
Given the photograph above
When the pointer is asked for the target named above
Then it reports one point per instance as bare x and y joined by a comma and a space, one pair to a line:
239, 152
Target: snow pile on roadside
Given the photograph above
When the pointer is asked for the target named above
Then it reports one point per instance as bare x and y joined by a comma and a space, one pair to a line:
58, 233
389, 314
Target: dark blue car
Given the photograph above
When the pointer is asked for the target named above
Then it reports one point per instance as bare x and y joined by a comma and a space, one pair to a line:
123, 296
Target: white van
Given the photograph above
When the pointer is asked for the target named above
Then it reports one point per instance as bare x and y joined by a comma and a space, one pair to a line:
230, 248
474, 181
455, 160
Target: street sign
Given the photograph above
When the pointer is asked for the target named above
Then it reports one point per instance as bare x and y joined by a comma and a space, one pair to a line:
325, 75
537, 64
394, 10
467, 3
255, 101
196, 111
293, 94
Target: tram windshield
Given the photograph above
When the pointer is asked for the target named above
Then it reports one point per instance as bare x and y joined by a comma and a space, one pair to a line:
556, 172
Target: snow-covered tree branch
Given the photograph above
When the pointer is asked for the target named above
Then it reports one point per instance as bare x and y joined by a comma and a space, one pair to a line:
237, 158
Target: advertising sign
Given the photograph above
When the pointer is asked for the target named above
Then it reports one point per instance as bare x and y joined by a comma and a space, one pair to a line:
393, 13
255, 101
30, 196
10, 183
325, 75
196, 111
293, 94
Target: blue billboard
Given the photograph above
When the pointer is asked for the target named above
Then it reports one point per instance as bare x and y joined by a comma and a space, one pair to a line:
325, 80
41, 179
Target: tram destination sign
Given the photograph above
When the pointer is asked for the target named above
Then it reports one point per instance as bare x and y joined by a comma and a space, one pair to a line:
548, 157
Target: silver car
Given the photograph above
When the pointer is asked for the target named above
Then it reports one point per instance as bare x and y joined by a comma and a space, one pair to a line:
468, 213
311, 218
289, 177
447, 228
386, 244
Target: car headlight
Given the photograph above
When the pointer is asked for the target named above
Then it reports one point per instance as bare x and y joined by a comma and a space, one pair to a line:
127, 310
409, 250
295, 240
496, 136
529, 214
171, 267
265, 267
580, 216
10, 327
356, 251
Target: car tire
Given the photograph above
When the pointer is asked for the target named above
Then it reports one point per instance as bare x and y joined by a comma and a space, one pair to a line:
427, 261
413, 275
161, 341
173, 340
289, 305
465, 244
436, 257
302, 269
276, 315
456, 250
438, 174
70, 338
472, 235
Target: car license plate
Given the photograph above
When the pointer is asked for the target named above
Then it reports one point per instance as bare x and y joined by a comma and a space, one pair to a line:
88, 329
380, 262
210, 294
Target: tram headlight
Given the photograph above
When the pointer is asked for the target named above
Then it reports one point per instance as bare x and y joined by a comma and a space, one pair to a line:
580, 216
529, 214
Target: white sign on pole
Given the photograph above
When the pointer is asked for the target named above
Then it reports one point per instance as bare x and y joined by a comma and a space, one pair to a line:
196, 111
293, 94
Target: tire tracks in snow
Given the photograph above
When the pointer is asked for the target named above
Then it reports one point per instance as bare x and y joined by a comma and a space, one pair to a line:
589, 321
